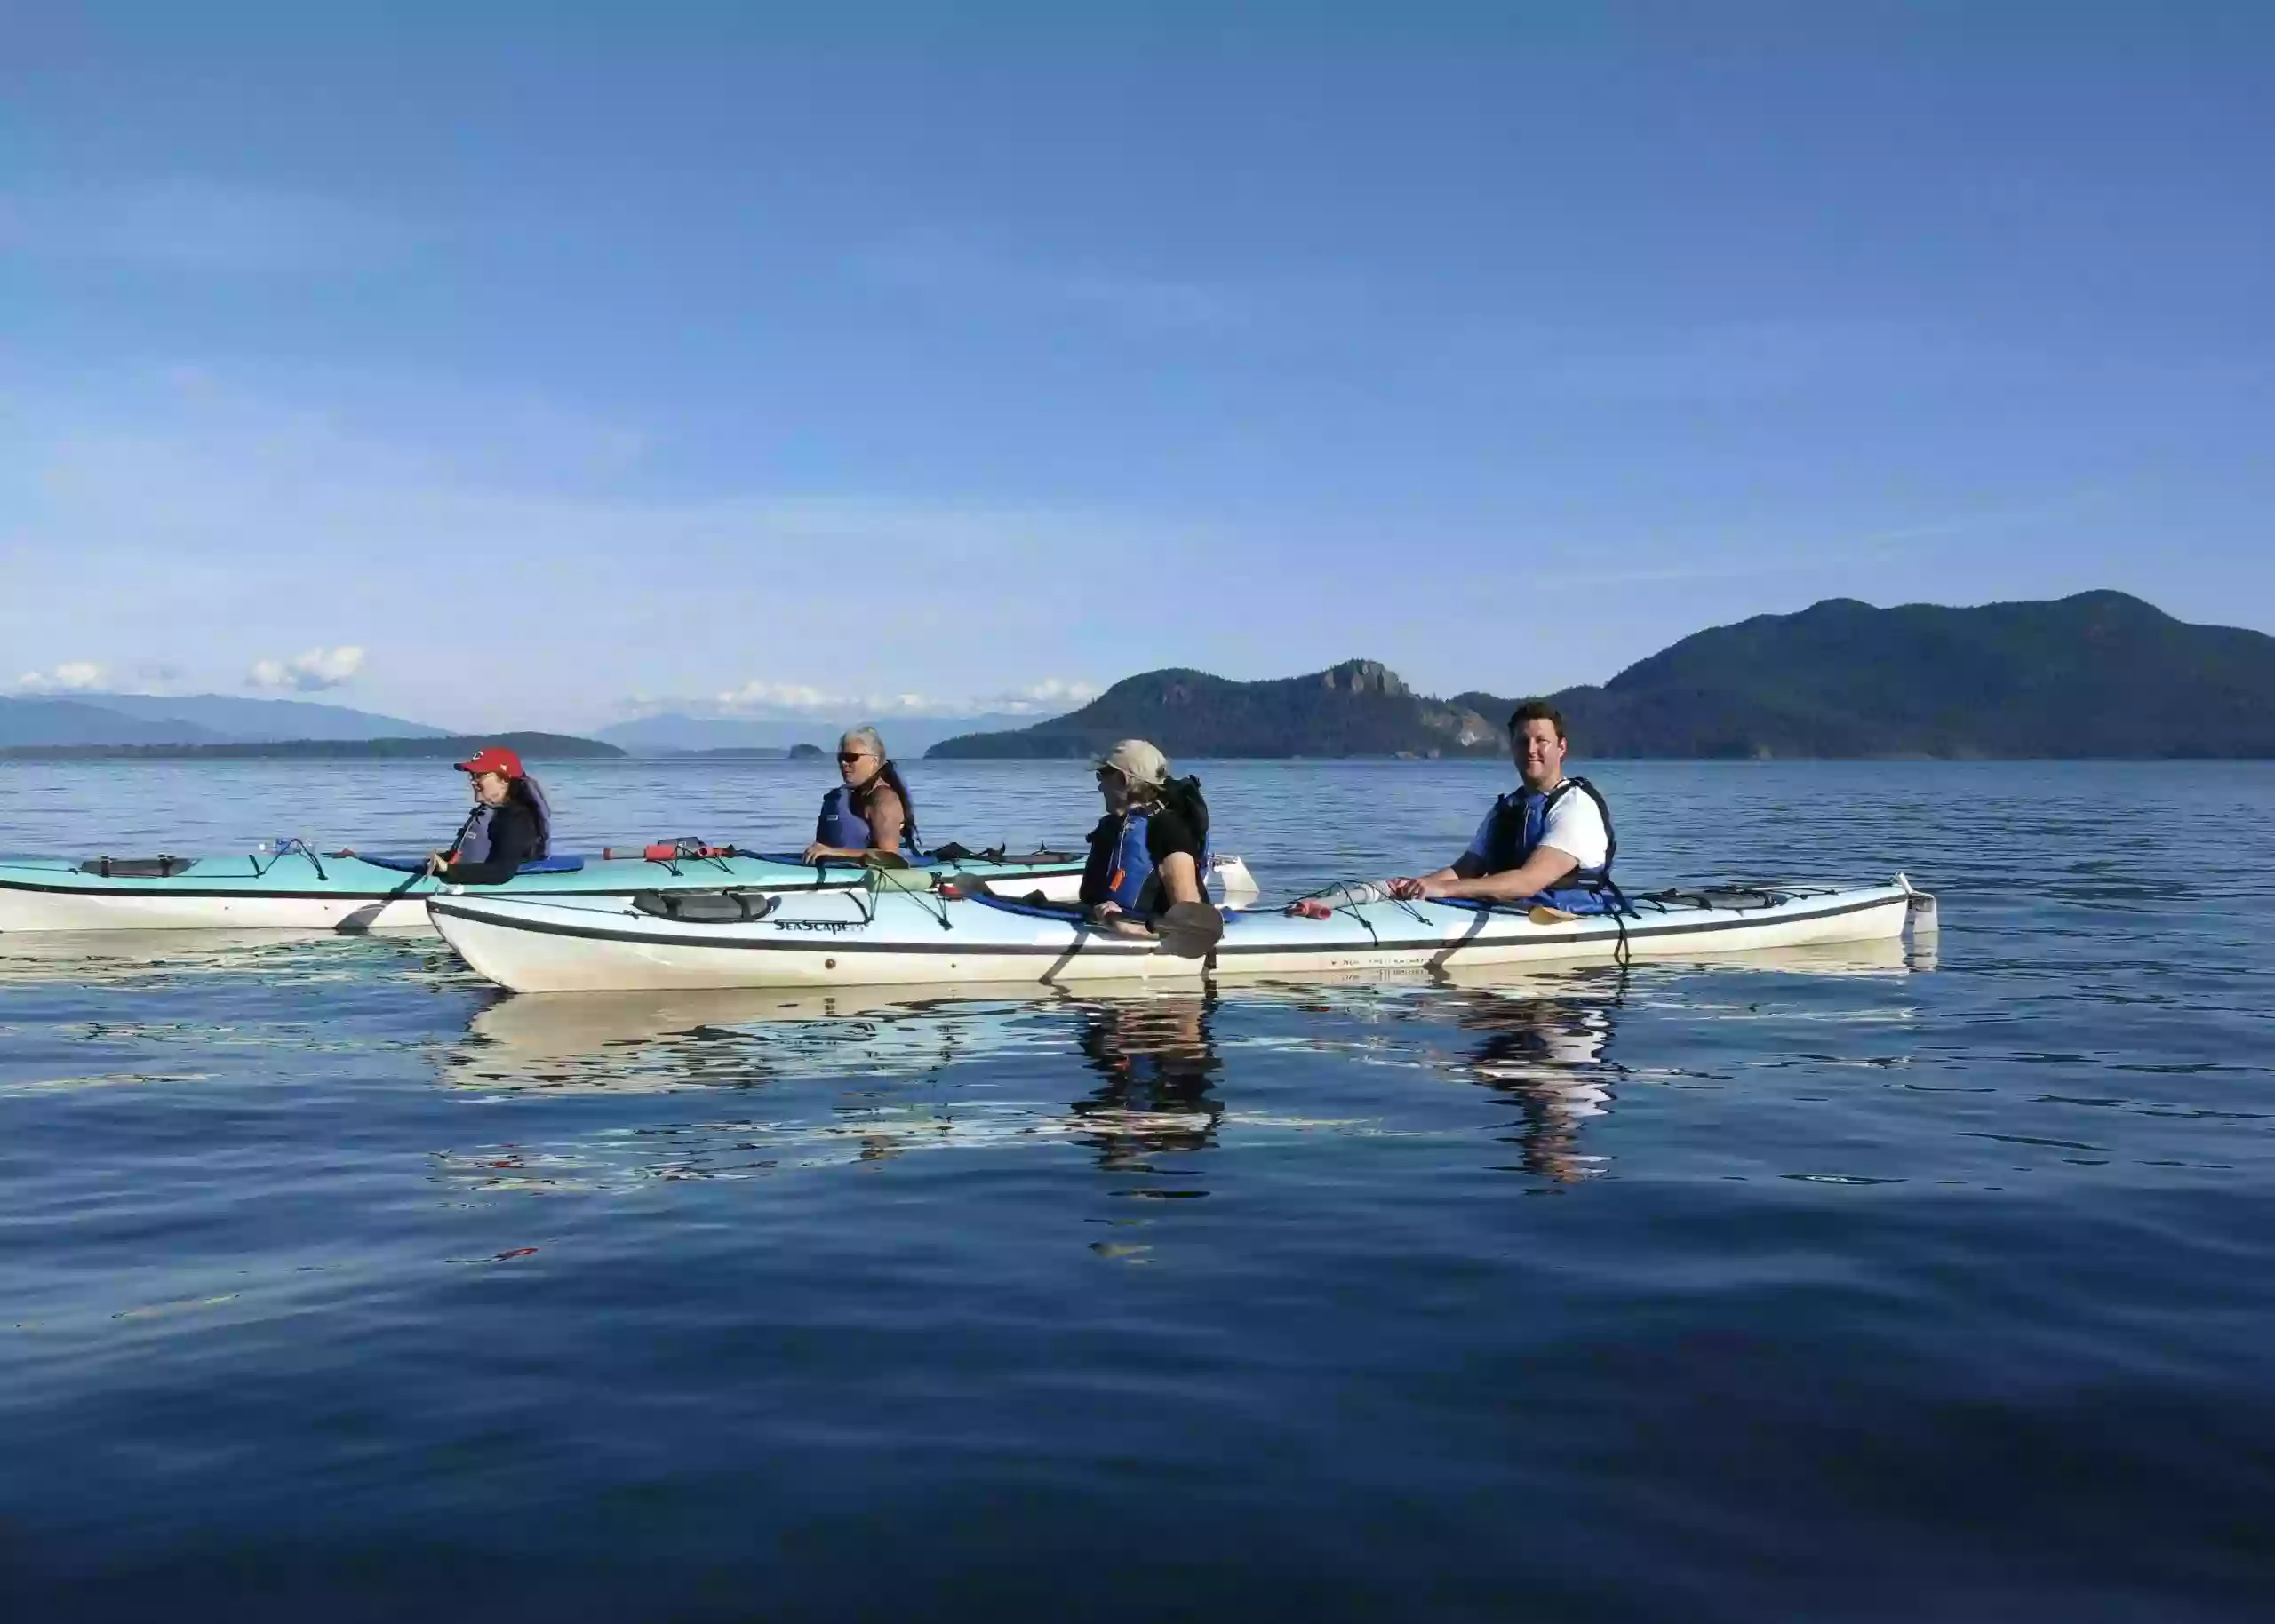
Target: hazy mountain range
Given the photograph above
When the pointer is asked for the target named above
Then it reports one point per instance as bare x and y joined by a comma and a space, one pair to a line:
190, 718
2097, 675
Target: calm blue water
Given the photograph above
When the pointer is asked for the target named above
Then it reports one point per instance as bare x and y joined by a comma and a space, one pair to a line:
1915, 1285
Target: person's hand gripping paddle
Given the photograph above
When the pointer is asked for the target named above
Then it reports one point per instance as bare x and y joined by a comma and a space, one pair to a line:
1190, 930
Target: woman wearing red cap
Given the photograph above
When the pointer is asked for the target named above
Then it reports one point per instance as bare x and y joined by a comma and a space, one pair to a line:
510, 824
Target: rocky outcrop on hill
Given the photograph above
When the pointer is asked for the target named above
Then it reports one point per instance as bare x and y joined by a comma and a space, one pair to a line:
1358, 708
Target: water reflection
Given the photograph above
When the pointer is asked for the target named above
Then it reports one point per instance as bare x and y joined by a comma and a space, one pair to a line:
831, 1079
1547, 1044
1139, 1077
53, 958
1550, 1056
653, 1042
1158, 1061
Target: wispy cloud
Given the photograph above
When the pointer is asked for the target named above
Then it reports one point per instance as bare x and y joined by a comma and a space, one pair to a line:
244, 501
159, 677
200, 226
1048, 697
793, 699
763, 700
71, 677
1739, 360
961, 271
309, 672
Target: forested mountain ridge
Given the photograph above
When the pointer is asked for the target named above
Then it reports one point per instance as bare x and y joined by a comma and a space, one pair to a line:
2097, 675
2100, 673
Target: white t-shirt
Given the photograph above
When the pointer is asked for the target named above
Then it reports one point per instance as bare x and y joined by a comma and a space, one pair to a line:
1574, 826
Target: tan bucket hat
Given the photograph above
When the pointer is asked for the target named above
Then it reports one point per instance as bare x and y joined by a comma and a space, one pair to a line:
1139, 762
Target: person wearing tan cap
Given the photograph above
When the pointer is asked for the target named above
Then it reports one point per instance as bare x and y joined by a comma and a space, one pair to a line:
1150, 850
510, 824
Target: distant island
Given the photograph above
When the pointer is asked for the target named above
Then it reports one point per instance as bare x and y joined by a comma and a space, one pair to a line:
2100, 674
530, 746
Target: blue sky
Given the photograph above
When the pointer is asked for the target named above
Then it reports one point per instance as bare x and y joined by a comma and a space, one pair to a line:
495, 366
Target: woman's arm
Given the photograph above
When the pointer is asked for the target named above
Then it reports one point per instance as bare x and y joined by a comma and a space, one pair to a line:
887, 818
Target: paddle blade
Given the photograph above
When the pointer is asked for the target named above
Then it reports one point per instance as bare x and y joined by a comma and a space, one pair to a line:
1551, 916
1190, 930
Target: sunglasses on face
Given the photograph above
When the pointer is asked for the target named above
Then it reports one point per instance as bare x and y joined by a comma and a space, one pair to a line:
843, 760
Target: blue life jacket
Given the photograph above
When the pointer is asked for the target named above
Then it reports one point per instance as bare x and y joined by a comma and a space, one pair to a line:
473, 841
1119, 863
1519, 819
842, 825
839, 823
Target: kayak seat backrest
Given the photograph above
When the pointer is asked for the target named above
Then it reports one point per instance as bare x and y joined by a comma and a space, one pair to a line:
996, 855
137, 868
543, 866
707, 907
1740, 899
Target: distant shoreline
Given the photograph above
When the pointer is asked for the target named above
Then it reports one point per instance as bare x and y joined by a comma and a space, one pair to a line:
530, 746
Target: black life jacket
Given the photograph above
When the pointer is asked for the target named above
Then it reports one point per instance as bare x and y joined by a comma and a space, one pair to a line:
473, 844
1519, 818
1120, 868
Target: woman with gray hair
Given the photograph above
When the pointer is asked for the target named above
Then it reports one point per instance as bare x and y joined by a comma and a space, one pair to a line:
871, 810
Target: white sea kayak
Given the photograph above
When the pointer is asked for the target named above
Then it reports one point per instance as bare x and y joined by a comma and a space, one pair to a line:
901, 929
305, 889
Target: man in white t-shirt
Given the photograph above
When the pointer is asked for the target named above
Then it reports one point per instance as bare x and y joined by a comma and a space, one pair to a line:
1552, 833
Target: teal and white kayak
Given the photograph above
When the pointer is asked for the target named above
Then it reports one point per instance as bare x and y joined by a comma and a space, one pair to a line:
900, 928
304, 889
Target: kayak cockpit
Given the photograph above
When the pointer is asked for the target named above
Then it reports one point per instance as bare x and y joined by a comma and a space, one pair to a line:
135, 868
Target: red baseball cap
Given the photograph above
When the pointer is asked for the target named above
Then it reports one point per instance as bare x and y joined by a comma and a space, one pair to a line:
493, 759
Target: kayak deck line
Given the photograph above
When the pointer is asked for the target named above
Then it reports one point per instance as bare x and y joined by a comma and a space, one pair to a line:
297, 891
844, 939
889, 937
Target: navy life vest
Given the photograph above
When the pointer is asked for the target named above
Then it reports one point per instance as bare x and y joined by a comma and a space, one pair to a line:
474, 840
1120, 869
1519, 819
1120, 866
842, 825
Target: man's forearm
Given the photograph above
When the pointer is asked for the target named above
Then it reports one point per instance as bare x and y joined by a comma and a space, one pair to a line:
1537, 873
